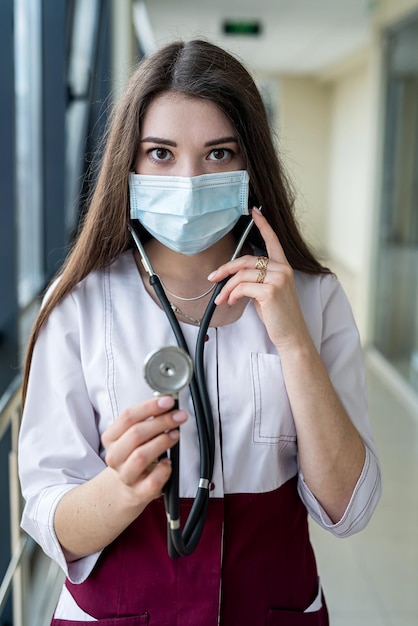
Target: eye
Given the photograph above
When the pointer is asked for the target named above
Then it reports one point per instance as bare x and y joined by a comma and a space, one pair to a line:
160, 154
221, 154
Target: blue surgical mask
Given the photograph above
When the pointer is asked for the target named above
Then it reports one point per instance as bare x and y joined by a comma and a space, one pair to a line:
189, 215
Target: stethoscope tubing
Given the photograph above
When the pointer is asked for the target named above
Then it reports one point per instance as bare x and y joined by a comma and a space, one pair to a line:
184, 542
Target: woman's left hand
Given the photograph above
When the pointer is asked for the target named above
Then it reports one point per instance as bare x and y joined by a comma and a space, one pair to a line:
275, 297
331, 451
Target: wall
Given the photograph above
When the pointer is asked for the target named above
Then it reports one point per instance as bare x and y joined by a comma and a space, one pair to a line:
389, 11
356, 137
327, 130
352, 185
304, 114
330, 128
349, 170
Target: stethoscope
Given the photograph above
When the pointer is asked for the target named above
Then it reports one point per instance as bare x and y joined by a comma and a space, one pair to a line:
167, 371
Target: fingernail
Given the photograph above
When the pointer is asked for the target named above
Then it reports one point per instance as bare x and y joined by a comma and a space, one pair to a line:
180, 416
174, 434
216, 301
256, 210
165, 402
211, 275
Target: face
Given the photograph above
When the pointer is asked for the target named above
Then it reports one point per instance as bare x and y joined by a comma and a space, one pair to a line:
183, 136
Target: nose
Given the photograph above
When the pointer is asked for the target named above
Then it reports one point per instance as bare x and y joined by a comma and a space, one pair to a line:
190, 166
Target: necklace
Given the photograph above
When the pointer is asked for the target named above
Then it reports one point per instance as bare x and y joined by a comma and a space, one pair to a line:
174, 295
193, 320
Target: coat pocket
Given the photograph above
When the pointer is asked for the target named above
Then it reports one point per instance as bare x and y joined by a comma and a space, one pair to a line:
136, 620
273, 419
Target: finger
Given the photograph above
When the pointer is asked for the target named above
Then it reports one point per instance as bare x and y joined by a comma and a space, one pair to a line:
249, 276
273, 246
274, 250
137, 413
136, 465
140, 433
252, 274
150, 485
255, 291
232, 267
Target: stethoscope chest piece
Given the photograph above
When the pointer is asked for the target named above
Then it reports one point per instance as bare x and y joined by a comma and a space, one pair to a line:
167, 370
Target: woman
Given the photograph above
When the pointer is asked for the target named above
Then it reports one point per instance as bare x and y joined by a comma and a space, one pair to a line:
283, 368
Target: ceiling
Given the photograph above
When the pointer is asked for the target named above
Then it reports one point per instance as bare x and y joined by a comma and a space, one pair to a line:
298, 36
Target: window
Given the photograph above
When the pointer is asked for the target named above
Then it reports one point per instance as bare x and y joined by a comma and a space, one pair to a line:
28, 148
396, 315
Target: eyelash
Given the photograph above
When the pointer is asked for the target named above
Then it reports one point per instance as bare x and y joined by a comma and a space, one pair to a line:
151, 150
228, 153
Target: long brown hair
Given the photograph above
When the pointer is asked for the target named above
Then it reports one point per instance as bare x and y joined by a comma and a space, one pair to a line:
196, 69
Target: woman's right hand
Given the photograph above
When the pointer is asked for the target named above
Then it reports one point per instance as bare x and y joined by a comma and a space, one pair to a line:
90, 516
135, 443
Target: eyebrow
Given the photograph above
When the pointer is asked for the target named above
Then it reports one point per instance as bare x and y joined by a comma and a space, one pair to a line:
215, 142
168, 142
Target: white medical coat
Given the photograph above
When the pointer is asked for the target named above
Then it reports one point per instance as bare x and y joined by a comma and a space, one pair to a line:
88, 367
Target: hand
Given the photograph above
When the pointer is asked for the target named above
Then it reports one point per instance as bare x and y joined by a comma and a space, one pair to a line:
135, 442
275, 298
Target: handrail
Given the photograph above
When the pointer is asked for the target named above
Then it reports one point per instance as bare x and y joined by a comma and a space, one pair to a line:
15, 578
23, 573
6, 585
8, 402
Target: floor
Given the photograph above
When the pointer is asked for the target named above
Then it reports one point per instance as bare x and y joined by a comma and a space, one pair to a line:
371, 579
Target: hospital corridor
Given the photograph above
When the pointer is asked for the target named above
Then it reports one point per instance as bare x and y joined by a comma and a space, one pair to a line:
339, 84
371, 578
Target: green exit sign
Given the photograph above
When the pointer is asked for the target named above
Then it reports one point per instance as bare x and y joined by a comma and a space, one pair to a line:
242, 27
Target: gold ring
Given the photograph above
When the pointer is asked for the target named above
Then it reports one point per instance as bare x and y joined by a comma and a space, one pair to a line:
261, 264
261, 275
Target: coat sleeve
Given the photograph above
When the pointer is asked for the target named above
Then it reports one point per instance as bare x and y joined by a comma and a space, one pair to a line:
59, 446
341, 353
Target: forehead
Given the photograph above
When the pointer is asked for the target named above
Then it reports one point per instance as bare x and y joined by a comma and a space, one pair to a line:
176, 113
